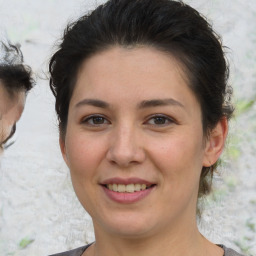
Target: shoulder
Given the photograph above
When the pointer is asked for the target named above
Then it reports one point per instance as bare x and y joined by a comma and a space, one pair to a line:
229, 252
76, 252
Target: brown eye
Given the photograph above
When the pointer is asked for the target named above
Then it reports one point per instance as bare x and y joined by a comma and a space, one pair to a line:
160, 120
95, 120
98, 120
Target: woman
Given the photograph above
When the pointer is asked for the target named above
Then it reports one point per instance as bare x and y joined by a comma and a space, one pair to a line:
15, 82
143, 107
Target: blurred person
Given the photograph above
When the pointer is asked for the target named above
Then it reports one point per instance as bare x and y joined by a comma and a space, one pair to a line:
15, 82
143, 104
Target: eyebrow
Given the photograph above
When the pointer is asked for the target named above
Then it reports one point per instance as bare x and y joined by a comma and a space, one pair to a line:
159, 102
141, 105
93, 102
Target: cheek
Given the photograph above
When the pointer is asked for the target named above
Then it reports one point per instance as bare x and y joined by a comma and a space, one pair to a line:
5, 129
83, 155
82, 158
179, 160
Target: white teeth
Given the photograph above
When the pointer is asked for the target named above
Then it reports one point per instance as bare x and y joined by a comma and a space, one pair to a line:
114, 187
121, 188
130, 188
137, 187
143, 186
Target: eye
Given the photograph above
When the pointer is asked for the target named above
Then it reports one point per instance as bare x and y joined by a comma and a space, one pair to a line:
159, 120
95, 120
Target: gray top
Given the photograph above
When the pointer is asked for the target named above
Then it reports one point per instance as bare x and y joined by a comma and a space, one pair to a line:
76, 252
79, 251
229, 252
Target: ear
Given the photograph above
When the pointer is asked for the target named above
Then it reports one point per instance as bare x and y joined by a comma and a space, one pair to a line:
215, 142
63, 149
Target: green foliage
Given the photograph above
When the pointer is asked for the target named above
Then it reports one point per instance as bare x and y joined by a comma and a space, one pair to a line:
243, 245
253, 201
251, 225
231, 182
217, 195
244, 105
25, 242
234, 152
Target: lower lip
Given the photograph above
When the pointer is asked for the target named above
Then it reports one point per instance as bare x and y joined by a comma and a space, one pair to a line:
127, 198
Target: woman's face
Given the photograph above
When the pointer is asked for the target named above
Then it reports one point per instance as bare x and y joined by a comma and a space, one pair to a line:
134, 142
10, 111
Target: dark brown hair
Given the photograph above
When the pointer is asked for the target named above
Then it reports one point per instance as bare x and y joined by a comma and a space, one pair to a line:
14, 74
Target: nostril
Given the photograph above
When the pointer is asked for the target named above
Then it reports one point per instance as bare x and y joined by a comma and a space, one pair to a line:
125, 157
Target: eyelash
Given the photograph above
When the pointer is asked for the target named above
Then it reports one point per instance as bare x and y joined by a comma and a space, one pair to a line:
92, 118
166, 119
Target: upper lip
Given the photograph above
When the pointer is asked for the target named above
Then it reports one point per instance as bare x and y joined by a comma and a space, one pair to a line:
132, 180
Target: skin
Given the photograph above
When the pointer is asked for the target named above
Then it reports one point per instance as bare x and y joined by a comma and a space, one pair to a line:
162, 143
10, 111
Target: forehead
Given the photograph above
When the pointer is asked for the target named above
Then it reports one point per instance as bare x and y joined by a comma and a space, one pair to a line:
120, 70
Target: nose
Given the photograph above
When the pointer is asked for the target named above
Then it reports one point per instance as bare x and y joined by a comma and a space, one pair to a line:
126, 147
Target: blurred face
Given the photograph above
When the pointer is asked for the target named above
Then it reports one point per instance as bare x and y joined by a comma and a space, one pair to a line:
134, 142
10, 112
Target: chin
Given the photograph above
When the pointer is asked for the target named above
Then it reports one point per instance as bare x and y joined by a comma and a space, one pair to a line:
127, 226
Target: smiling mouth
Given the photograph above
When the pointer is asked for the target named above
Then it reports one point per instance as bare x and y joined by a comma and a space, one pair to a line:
129, 188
